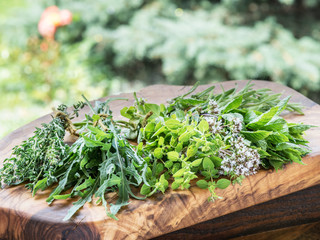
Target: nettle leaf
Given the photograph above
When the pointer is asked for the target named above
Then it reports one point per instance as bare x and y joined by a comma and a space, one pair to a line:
299, 128
276, 124
255, 136
250, 116
208, 164
263, 119
262, 144
202, 184
233, 104
223, 183
287, 145
173, 156
277, 137
203, 126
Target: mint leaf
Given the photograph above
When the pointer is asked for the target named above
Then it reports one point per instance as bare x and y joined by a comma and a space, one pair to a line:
263, 119
255, 136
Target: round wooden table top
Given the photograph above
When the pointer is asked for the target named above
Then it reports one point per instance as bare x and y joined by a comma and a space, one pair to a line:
25, 217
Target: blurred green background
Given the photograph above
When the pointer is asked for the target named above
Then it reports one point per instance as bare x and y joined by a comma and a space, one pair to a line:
115, 46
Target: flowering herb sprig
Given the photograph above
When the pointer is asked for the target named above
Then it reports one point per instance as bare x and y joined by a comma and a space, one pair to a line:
214, 138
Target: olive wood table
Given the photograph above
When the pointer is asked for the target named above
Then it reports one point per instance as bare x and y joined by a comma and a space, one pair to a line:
268, 205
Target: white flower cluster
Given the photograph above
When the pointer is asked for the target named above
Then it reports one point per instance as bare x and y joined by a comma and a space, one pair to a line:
215, 125
239, 159
213, 107
237, 125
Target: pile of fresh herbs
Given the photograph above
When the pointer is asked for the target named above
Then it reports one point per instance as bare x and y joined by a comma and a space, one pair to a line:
217, 138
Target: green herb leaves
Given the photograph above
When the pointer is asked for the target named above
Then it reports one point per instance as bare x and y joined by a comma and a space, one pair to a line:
217, 139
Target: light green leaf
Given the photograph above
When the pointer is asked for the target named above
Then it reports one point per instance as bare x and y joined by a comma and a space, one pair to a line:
233, 104
196, 163
145, 190
173, 124
158, 153
202, 184
223, 183
154, 108
203, 126
263, 119
208, 164
191, 151
179, 173
173, 156
255, 136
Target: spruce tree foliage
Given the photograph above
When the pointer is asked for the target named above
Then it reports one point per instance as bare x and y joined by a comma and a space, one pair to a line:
179, 42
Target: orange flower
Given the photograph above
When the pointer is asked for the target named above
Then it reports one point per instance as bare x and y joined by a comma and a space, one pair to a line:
51, 19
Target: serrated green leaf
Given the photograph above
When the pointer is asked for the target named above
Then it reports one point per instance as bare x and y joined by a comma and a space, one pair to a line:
263, 119
277, 137
255, 136
299, 128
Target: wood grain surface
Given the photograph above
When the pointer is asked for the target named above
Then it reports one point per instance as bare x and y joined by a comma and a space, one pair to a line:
24, 217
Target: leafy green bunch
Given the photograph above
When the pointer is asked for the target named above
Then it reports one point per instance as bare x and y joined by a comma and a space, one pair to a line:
99, 162
214, 138
228, 135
